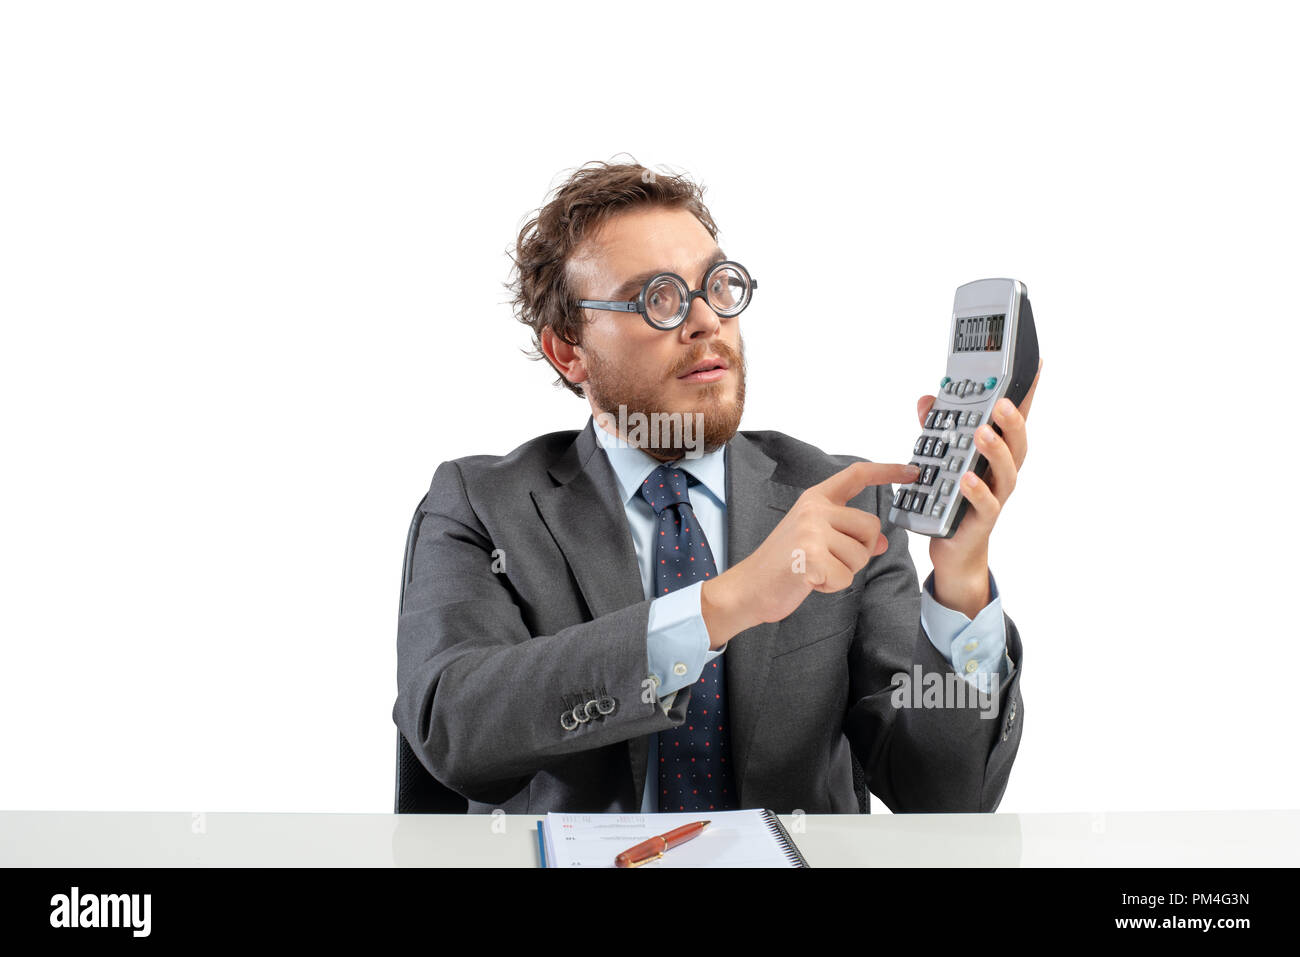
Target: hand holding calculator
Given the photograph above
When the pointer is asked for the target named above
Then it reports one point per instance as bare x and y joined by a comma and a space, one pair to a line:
993, 352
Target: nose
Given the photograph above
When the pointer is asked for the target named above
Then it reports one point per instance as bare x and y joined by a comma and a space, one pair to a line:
700, 320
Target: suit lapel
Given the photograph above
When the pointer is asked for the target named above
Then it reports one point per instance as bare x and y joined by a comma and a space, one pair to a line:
755, 505
584, 514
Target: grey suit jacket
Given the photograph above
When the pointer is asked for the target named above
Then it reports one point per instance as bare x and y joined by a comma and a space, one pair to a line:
524, 600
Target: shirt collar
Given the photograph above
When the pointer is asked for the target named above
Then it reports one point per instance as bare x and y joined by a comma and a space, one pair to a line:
632, 466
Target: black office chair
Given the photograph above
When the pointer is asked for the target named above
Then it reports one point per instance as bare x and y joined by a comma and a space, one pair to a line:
419, 792
860, 785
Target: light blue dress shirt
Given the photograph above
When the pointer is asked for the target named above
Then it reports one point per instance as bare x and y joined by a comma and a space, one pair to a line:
676, 634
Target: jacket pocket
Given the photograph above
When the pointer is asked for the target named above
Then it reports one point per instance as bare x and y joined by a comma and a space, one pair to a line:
795, 634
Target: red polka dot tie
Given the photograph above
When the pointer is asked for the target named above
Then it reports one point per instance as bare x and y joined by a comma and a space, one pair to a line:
695, 758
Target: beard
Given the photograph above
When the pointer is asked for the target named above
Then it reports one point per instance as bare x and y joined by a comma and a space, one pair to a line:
611, 387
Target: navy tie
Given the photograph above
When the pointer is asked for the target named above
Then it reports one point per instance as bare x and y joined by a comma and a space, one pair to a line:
694, 759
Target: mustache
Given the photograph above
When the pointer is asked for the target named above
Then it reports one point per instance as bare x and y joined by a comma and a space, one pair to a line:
732, 357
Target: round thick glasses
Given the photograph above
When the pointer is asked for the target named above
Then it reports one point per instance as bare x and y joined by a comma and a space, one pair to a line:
665, 299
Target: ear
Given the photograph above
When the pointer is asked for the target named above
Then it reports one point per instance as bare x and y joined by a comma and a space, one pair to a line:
567, 359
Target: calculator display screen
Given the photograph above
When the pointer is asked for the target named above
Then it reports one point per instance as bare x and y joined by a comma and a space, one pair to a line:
979, 334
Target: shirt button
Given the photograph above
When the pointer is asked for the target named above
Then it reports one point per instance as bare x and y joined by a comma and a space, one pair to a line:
679, 669
971, 665
971, 645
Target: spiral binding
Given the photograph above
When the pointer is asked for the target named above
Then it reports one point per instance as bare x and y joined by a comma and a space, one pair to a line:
788, 847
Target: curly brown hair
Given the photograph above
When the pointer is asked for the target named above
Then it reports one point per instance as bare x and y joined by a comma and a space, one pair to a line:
593, 193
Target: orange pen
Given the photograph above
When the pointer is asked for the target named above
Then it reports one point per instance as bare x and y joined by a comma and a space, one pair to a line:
654, 848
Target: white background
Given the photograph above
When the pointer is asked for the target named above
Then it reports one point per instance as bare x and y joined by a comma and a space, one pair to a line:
251, 268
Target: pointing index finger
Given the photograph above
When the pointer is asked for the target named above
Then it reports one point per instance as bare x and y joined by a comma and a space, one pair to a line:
847, 483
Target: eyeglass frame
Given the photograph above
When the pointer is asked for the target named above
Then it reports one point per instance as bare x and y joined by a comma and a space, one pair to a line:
638, 304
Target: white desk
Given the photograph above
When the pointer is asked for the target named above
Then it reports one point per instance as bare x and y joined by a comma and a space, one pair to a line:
171, 839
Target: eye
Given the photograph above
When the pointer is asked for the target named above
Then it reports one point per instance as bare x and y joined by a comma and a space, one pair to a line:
663, 300
728, 290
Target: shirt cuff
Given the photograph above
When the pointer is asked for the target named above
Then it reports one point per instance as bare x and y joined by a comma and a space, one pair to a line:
976, 648
677, 641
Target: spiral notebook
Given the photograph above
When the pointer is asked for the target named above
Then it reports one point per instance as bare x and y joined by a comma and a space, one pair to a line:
750, 838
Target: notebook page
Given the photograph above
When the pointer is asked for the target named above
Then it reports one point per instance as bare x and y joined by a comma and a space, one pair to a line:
733, 839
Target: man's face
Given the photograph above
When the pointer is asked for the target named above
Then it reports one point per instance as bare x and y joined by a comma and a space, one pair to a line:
646, 370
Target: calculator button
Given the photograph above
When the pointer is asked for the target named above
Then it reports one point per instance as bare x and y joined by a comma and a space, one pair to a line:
948, 387
928, 448
973, 418
979, 389
963, 441
945, 487
952, 421
955, 463
928, 474
937, 510
940, 449
898, 498
929, 419
920, 444
918, 504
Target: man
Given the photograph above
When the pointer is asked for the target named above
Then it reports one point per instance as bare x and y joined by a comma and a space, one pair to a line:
693, 619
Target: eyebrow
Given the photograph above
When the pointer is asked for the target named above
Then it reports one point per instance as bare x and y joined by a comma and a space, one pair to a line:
633, 285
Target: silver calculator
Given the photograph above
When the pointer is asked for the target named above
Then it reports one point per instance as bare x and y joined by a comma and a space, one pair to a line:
992, 352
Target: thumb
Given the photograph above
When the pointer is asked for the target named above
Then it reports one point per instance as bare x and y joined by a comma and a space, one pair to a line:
923, 407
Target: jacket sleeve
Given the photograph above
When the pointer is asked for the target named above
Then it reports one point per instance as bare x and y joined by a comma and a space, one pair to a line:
479, 698
916, 757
